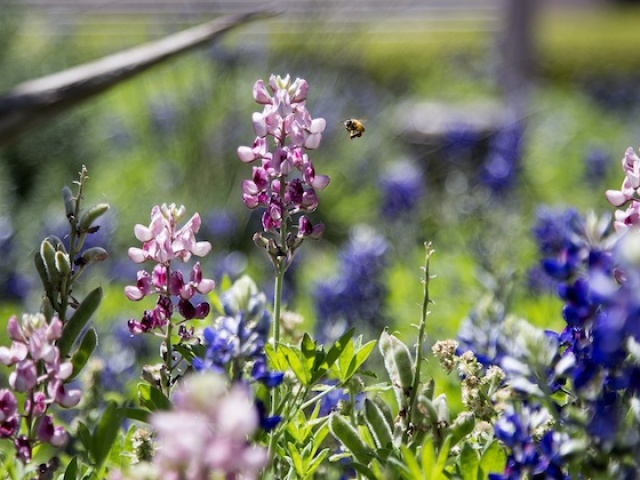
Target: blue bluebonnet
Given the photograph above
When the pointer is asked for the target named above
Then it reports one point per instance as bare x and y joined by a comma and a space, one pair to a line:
356, 295
502, 163
597, 160
235, 344
530, 457
402, 188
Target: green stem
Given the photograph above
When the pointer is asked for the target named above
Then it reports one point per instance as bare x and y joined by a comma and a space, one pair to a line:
421, 336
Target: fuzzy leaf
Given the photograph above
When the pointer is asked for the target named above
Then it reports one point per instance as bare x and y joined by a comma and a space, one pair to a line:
350, 438
78, 320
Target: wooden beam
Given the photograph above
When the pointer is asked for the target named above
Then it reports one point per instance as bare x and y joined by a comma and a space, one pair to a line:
35, 101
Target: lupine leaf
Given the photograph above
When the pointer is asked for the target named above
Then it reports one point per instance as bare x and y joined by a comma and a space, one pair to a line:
428, 457
317, 461
81, 356
296, 459
152, 398
377, 423
277, 359
78, 320
309, 353
411, 463
85, 438
360, 357
364, 470
72, 470
341, 365
469, 462
106, 432
337, 348
296, 364
350, 438
443, 455
493, 459
140, 414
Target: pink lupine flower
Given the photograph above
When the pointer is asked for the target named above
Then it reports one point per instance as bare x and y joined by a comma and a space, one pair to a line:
162, 242
24, 377
273, 185
208, 432
165, 243
8, 405
62, 396
629, 193
40, 374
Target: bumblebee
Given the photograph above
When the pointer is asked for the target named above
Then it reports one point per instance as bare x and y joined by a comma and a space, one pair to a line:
354, 127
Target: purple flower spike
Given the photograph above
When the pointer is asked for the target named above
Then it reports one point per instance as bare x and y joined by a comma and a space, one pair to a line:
285, 182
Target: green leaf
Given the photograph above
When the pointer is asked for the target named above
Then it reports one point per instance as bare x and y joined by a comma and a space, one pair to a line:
140, 414
293, 356
152, 398
296, 459
85, 438
106, 432
360, 357
317, 461
341, 366
78, 320
214, 300
493, 459
72, 470
428, 457
410, 462
81, 356
277, 359
350, 438
443, 455
308, 351
363, 470
337, 348
380, 429
469, 462
189, 352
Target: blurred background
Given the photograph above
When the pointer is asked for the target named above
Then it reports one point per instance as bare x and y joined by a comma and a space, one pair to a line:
481, 117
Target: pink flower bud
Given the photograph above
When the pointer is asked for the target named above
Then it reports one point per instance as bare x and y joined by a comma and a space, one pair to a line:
260, 93
54, 330
14, 330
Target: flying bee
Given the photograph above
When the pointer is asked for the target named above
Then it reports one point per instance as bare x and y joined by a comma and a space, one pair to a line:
354, 127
